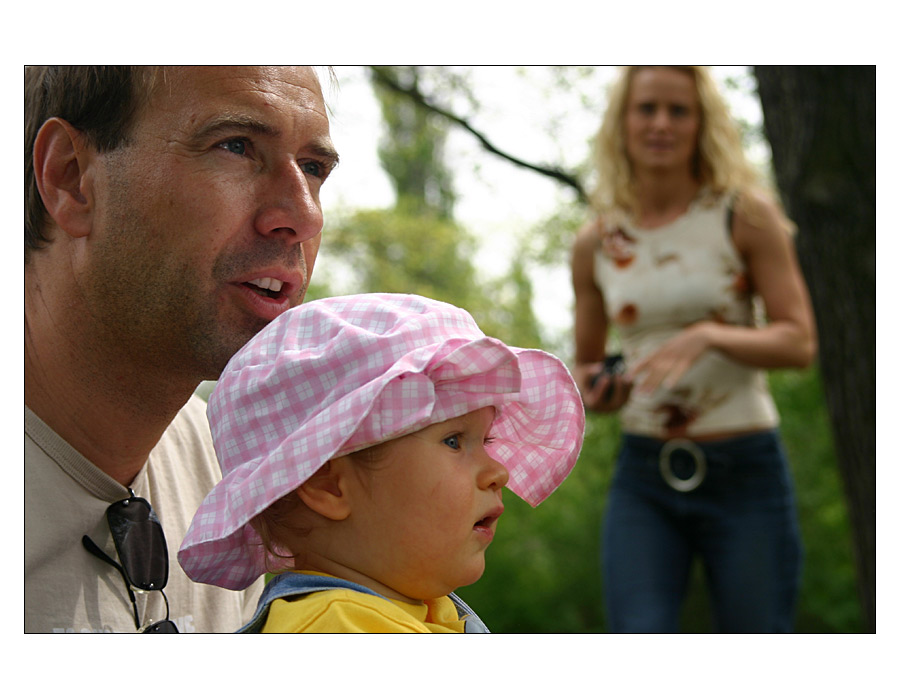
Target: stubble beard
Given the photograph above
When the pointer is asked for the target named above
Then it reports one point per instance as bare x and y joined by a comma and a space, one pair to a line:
164, 309
171, 316
149, 312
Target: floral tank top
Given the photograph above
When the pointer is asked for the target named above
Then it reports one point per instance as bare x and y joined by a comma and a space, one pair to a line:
655, 282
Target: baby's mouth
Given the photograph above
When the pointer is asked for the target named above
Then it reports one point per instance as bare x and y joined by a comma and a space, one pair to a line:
490, 519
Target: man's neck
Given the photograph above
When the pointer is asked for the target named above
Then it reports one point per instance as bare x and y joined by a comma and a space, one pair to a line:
109, 411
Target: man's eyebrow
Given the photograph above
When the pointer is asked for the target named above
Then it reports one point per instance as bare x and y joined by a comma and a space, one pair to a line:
324, 150
231, 122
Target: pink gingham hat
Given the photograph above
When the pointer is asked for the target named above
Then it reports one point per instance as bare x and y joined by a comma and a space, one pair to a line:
333, 376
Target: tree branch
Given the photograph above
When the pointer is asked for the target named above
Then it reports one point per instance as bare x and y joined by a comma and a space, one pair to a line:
384, 78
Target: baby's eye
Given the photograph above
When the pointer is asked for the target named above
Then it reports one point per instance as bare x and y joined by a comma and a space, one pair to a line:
488, 440
452, 442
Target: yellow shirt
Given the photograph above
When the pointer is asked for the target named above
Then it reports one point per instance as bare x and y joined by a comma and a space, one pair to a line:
344, 610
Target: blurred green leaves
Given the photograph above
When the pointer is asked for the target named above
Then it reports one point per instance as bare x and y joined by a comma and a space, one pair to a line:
543, 568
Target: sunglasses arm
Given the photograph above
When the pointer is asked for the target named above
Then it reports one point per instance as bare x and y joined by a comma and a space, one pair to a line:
92, 547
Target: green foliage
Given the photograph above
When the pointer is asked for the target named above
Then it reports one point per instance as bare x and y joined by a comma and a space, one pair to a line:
549, 242
412, 150
416, 247
543, 568
828, 598
399, 251
404, 252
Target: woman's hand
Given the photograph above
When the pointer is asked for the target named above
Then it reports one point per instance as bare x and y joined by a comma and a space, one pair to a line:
601, 391
674, 358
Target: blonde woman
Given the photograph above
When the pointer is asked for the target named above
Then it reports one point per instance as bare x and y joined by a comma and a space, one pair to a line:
691, 259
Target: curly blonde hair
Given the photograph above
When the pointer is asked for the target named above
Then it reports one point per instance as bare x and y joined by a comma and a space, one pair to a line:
720, 164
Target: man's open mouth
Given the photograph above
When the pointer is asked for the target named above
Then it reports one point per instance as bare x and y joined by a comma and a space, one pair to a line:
266, 286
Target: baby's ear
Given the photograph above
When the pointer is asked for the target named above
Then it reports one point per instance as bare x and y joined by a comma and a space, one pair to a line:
325, 491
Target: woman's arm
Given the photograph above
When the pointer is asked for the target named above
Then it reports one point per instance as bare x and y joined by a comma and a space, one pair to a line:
788, 340
591, 327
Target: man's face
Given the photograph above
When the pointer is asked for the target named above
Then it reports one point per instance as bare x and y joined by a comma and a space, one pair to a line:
208, 220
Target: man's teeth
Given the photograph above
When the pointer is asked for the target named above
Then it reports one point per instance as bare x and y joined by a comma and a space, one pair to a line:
270, 283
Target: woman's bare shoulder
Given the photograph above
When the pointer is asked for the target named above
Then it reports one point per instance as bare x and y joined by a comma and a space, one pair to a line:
589, 235
759, 208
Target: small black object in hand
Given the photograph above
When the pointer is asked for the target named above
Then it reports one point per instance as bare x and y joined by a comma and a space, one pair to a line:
613, 365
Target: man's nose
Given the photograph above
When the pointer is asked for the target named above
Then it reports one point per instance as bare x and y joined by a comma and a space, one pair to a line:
289, 204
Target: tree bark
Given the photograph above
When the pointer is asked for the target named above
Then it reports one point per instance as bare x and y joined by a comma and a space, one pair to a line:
820, 122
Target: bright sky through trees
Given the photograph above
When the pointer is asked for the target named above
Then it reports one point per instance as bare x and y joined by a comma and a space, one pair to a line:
496, 200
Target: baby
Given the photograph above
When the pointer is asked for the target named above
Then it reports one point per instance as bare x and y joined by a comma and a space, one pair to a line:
364, 442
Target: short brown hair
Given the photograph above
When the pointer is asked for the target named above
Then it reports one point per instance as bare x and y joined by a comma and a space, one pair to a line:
100, 101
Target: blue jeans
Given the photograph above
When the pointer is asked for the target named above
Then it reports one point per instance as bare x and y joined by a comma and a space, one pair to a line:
740, 521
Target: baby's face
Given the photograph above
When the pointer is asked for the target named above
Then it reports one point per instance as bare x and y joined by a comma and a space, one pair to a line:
432, 508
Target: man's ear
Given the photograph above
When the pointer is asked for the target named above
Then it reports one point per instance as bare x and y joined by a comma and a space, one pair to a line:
325, 492
60, 162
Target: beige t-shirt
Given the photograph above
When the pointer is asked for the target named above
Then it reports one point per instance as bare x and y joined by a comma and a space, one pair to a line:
69, 590
655, 282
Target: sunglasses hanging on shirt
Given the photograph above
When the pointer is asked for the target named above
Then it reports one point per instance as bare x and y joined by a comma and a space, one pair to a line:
144, 556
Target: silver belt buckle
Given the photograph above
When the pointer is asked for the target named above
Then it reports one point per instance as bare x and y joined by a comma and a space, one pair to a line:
665, 465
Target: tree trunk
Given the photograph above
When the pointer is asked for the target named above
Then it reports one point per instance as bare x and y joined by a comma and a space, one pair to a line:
820, 122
